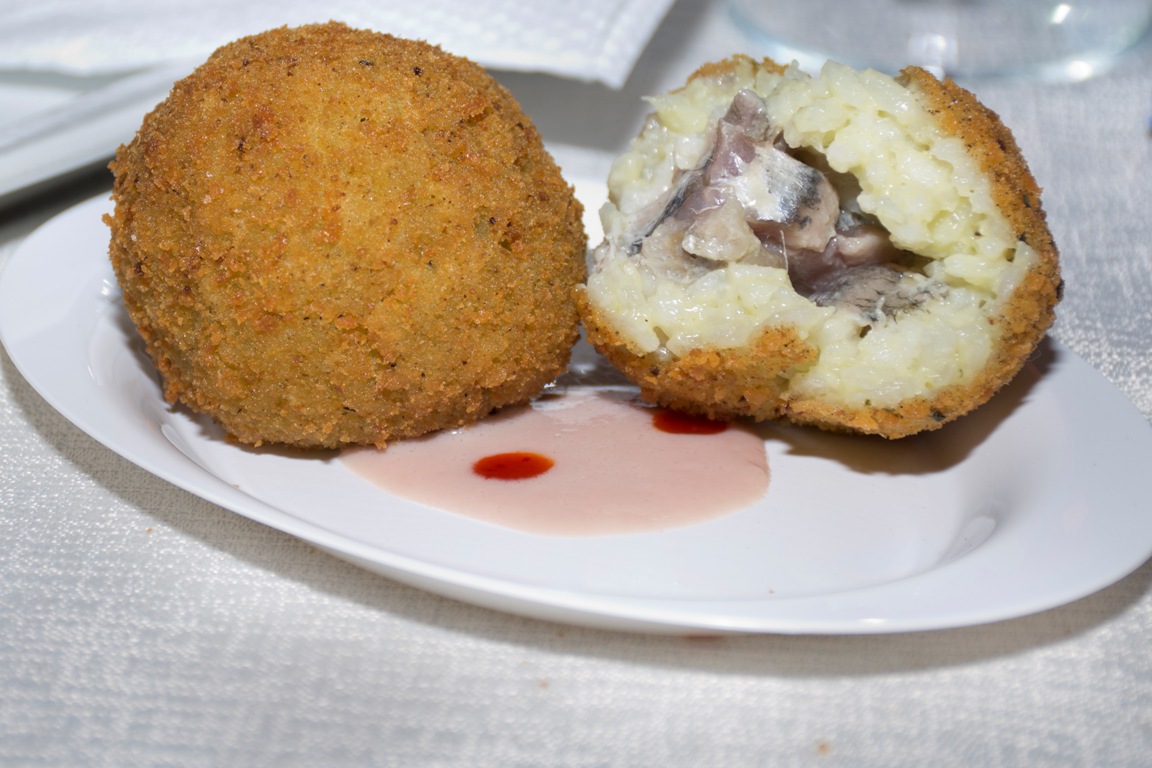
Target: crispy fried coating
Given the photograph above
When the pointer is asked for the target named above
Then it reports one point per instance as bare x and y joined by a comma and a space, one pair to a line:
329, 236
770, 376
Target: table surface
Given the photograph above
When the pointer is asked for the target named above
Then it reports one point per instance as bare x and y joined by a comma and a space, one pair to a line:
141, 625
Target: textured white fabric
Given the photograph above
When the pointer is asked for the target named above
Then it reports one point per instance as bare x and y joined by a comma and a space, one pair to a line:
588, 40
141, 626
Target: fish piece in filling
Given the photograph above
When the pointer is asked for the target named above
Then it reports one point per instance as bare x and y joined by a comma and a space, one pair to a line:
847, 250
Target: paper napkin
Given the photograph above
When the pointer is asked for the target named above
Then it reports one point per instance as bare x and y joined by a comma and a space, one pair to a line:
589, 40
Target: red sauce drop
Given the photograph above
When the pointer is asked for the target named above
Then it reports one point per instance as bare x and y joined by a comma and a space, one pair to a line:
518, 465
678, 423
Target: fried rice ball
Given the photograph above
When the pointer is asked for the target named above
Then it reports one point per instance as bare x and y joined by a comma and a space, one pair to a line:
847, 250
330, 236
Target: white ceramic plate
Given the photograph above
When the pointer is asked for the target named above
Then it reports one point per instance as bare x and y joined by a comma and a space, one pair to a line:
1038, 499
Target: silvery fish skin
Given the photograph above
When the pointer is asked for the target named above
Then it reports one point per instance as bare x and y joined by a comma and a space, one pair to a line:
753, 200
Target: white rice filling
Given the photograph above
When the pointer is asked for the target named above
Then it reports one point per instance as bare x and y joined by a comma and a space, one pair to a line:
921, 185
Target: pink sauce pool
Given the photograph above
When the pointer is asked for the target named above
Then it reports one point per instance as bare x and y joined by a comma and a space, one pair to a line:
617, 466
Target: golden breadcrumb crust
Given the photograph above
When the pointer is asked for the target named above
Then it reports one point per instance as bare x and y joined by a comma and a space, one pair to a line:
329, 236
752, 381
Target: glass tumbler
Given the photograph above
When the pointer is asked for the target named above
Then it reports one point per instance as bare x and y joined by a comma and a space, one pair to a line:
1042, 39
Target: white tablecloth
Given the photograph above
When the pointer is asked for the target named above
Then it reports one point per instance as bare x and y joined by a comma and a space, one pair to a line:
142, 626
